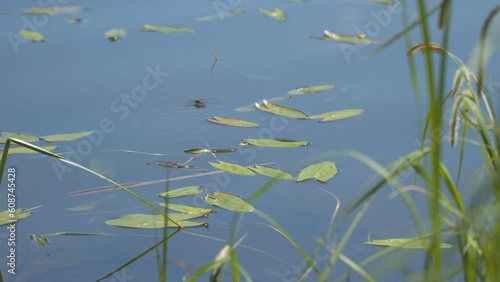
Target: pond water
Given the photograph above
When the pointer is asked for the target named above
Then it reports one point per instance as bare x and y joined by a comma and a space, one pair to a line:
78, 80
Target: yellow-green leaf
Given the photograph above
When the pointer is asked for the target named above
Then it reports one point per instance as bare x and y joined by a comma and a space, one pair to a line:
280, 110
186, 209
22, 136
233, 122
336, 115
220, 16
66, 136
201, 151
32, 36
277, 13
6, 217
359, 39
229, 202
40, 240
115, 34
320, 171
273, 143
311, 89
232, 168
149, 221
24, 150
252, 107
165, 29
408, 243
3, 140
272, 172
181, 192
56, 10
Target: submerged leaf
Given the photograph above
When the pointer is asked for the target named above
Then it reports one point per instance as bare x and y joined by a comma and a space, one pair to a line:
181, 192
336, 115
7, 217
6, 13
200, 151
165, 29
320, 171
408, 243
272, 172
280, 110
40, 240
229, 202
65, 137
55, 10
310, 89
21, 136
232, 168
273, 143
115, 34
84, 207
186, 209
221, 15
149, 221
277, 13
77, 21
359, 39
24, 150
233, 122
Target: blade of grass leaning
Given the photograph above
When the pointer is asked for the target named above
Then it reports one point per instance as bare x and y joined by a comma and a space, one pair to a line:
65, 137
186, 209
310, 89
232, 122
320, 171
232, 168
22, 150
62, 159
22, 136
229, 202
336, 115
31, 36
181, 192
166, 29
276, 143
408, 243
155, 221
272, 172
277, 13
280, 110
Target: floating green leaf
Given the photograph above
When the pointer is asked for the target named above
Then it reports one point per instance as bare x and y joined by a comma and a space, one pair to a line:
252, 107
360, 39
336, 115
320, 171
181, 192
310, 89
232, 168
229, 202
24, 150
201, 151
186, 209
22, 136
273, 143
40, 240
7, 217
280, 110
56, 10
32, 36
149, 221
233, 122
221, 15
381, 1
84, 207
408, 243
277, 13
65, 137
115, 34
272, 172
165, 29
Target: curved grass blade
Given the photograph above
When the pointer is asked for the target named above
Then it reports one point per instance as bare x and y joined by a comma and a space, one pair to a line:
229, 202
277, 13
311, 89
220, 16
65, 137
201, 151
181, 192
186, 209
166, 29
336, 115
115, 34
280, 110
232, 168
276, 143
359, 39
232, 122
320, 171
408, 243
272, 172
155, 221
23, 150
22, 136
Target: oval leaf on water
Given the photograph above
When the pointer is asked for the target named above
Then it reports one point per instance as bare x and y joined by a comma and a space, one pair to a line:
65, 137
229, 202
233, 122
22, 136
272, 172
273, 143
320, 171
221, 15
32, 36
200, 151
181, 192
186, 209
336, 115
280, 110
24, 150
310, 89
40, 240
165, 29
56, 10
408, 243
115, 34
361, 38
252, 107
277, 13
5, 216
150, 221
232, 168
